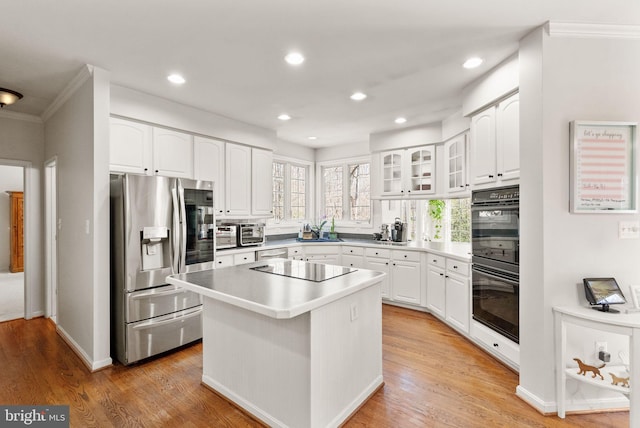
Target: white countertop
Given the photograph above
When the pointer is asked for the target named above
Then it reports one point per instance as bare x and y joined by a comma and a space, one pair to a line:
272, 295
457, 250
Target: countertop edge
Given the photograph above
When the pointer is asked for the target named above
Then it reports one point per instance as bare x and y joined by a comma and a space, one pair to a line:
287, 313
357, 243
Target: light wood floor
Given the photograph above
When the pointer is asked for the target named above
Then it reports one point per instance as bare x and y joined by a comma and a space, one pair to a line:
433, 378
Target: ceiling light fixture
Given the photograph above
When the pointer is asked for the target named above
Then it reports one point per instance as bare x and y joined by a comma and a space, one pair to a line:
400, 120
294, 58
7, 97
358, 96
284, 116
312, 138
472, 62
176, 78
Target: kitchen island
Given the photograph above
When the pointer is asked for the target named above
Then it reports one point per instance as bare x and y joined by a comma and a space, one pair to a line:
301, 351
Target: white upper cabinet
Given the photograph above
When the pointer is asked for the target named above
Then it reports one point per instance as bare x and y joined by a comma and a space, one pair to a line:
456, 176
261, 182
238, 180
421, 170
208, 165
143, 149
408, 172
172, 153
130, 148
392, 172
508, 138
495, 144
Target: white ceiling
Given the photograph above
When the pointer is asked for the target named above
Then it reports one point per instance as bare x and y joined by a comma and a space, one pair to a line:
405, 54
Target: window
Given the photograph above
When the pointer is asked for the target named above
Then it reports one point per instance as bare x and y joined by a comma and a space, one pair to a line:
346, 191
290, 190
360, 192
460, 214
278, 191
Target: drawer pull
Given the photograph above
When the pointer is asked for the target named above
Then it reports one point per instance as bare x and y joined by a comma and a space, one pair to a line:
495, 345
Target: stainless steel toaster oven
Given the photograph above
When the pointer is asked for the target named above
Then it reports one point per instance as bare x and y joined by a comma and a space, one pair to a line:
250, 234
226, 236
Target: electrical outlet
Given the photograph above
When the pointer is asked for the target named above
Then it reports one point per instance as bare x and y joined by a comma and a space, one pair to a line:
354, 311
600, 346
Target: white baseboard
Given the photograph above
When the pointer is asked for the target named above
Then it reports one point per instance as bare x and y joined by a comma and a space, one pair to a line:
573, 405
91, 365
271, 421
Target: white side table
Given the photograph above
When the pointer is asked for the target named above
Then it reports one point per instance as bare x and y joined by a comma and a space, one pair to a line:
618, 323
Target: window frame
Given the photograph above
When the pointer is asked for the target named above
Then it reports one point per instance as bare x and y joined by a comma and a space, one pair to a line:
346, 189
309, 188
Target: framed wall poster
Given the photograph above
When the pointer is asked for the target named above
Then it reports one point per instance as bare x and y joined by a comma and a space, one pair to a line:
603, 167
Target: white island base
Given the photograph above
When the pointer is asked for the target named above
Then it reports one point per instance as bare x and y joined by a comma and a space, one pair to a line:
313, 370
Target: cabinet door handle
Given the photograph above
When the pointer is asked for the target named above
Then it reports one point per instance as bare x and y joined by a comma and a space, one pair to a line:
405, 256
435, 261
408, 191
441, 274
495, 345
376, 254
402, 191
394, 264
491, 176
387, 263
499, 174
455, 267
146, 169
157, 171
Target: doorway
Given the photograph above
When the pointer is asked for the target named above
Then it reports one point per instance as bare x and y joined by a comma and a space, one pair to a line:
12, 283
51, 241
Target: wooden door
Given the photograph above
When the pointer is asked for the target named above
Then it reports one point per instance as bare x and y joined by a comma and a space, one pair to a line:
16, 241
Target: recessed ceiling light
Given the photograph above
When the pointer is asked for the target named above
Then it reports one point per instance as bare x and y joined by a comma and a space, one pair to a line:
176, 78
472, 62
358, 96
400, 120
284, 116
312, 138
294, 58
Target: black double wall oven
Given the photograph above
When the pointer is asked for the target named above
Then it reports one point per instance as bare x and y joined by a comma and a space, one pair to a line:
495, 243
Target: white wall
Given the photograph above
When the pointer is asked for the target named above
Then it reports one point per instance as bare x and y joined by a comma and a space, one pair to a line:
132, 104
22, 142
502, 79
565, 79
295, 151
406, 137
343, 151
77, 134
10, 180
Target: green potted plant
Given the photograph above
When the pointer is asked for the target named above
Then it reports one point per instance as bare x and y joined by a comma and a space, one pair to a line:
332, 231
436, 212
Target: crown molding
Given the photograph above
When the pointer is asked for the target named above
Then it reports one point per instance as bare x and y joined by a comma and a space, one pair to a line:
598, 31
85, 73
20, 116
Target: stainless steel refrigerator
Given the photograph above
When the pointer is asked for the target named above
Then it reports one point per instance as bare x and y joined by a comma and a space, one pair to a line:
159, 226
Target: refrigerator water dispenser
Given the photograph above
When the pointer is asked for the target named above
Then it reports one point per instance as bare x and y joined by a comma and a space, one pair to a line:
154, 243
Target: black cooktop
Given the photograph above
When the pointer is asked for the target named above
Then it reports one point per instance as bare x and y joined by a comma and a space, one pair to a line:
315, 272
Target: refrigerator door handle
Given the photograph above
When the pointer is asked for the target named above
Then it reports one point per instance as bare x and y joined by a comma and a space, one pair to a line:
175, 247
183, 228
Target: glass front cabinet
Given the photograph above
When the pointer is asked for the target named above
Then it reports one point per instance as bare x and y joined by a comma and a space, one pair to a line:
456, 164
409, 172
392, 173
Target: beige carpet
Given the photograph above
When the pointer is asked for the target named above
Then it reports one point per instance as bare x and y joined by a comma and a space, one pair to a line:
11, 296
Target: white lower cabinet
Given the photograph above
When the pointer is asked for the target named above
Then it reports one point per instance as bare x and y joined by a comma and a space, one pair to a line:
244, 257
296, 253
379, 264
405, 277
448, 291
326, 254
353, 257
223, 261
403, 282
496, 344
226, 260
